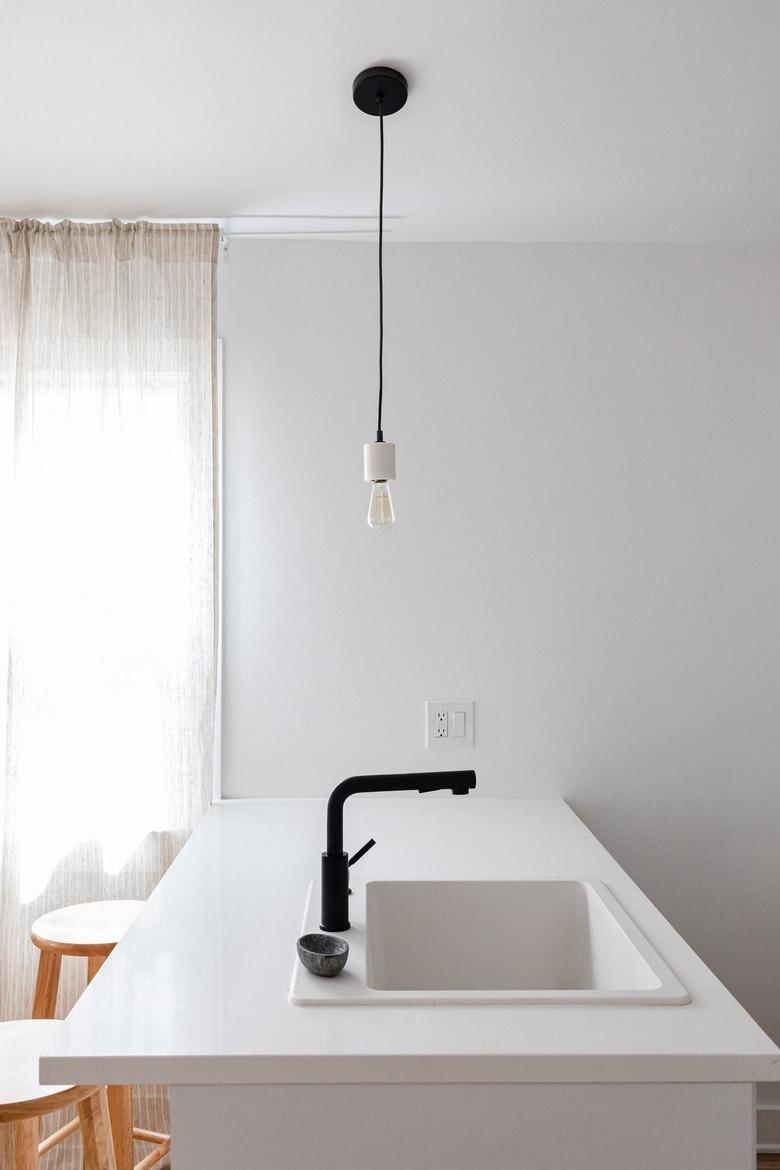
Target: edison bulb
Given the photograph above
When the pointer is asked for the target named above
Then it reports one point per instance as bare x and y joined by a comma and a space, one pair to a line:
381, 516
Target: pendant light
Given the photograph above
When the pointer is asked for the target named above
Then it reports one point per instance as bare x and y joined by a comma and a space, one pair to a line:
380, 91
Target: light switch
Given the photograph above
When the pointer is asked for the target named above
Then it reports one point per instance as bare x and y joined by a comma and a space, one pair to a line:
459, 724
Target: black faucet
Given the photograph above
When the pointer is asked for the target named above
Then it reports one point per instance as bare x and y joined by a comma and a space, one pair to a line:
336, 863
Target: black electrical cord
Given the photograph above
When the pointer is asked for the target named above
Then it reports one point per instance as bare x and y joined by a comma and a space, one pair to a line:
381, 280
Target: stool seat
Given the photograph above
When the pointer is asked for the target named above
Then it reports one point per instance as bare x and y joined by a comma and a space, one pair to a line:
88, 928
21, 1044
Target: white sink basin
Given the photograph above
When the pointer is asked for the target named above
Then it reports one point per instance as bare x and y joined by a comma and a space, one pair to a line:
545, 941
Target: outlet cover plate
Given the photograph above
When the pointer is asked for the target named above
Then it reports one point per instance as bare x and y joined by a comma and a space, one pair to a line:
443, 720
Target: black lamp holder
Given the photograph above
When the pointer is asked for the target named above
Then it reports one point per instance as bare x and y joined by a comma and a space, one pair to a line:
380, 90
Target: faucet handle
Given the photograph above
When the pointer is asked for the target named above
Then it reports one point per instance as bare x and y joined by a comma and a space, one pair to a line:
361, 852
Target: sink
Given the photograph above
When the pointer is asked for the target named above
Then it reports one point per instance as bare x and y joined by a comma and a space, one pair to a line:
472, 942
498, 936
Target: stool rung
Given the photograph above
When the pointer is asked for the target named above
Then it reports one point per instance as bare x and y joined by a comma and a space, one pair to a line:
148, 1135
58, 1136
155, 1156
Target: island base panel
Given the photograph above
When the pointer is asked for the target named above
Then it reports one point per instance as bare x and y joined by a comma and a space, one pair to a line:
460, 1126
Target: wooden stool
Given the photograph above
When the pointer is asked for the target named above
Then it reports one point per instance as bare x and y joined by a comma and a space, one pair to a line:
24, 1100
90, 931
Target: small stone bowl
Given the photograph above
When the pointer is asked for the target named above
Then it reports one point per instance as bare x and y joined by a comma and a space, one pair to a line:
323, 954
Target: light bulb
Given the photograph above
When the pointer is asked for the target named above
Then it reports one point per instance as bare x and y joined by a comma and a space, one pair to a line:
381, 516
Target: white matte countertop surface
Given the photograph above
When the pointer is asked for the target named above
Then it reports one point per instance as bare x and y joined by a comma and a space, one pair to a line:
196, 992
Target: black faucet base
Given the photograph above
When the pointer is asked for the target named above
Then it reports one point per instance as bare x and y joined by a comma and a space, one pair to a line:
335, 892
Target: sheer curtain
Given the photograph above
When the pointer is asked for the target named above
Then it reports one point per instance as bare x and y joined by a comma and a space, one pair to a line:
108, 586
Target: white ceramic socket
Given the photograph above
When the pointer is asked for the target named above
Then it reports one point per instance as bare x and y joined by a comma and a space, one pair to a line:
378, 461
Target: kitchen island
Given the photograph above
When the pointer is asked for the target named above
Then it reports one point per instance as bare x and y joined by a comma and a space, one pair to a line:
197, 996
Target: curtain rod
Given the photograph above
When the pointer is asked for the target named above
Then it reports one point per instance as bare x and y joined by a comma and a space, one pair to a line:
226, 235
233, 235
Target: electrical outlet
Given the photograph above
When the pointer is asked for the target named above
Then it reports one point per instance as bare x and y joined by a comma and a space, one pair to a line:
449, 726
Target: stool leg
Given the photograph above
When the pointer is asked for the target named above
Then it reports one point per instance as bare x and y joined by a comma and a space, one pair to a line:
120, 1107
120, 1099
96, 1132
46, 984
94, 963
26, 1144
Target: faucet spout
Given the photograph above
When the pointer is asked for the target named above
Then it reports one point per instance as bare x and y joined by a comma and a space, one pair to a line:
335, 863
457, 787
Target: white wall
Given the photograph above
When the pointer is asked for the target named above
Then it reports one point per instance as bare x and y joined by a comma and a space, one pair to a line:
587, 545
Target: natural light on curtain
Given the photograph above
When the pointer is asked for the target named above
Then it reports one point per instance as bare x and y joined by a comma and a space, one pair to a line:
101, 620
108, 583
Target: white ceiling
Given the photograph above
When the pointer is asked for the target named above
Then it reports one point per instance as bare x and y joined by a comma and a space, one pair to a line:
526, 120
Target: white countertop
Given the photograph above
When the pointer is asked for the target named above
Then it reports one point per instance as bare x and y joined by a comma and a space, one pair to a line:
197, 991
